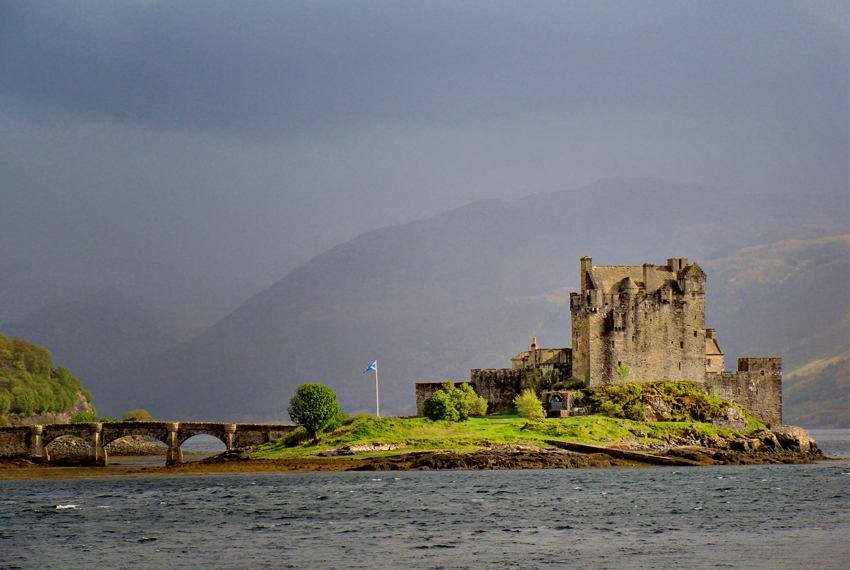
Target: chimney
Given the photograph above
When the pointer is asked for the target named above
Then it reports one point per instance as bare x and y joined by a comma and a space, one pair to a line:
650, 282
586, 268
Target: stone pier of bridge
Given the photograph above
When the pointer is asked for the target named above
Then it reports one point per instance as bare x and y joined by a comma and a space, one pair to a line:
32, 441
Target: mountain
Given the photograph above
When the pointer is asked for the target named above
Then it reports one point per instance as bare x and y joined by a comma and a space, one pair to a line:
433, 298
94, 337
791, 299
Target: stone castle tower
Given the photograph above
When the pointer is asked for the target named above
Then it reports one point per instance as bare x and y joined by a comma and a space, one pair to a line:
646, 323
637, 323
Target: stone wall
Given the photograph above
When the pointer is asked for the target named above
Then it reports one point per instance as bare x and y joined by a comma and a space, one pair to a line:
658, 335
14, 440
756, 386
499, 386
424, 390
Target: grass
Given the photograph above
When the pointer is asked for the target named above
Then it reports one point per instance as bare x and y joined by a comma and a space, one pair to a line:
422, 434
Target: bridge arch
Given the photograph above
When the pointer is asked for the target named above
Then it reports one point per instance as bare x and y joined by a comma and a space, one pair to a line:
116, 430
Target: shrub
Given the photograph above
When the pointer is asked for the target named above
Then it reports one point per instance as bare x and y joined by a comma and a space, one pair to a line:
4, 421
84, 418
634, 411
294, 437
439, 406
137, 416
454, 403
313, 406
337, 422
528, 405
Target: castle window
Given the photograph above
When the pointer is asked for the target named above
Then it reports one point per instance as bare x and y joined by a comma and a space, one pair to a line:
761, 372
695, 334
708, 362
613, 343
682, 344
680, 366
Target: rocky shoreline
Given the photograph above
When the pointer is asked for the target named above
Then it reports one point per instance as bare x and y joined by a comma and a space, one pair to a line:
780, 445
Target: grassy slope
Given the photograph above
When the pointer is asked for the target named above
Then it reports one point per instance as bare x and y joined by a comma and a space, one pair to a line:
684, 401
421, 434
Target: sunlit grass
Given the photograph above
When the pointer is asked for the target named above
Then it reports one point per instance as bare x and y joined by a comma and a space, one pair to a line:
422, 434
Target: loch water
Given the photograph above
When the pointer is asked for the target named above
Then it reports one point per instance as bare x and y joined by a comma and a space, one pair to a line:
771, 517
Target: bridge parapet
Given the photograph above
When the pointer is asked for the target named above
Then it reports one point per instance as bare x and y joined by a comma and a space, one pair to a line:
32, 440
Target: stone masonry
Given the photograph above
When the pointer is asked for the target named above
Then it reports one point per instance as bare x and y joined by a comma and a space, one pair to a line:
640, 323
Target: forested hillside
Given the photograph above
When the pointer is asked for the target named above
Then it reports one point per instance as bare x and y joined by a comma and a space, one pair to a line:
28, 382
94, 336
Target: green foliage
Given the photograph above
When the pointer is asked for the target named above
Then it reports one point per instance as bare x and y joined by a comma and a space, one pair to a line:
335, 423
543, 380
622, 372
572, 384
4, 421
528, 405
28, 382
84, 418
314, 407
440, 407
684, 400
137, 416
294, 437
453, 403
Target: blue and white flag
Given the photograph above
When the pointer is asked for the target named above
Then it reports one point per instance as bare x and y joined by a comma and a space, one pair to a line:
372, 366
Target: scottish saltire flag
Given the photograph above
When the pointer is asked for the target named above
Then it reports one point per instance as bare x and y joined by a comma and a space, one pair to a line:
372, 366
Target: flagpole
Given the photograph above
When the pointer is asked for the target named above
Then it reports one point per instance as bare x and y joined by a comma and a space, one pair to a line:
377, 398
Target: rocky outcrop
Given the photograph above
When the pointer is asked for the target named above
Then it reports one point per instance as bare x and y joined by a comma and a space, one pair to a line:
493, 457
81, 406
732, 418
784, 444
361, 448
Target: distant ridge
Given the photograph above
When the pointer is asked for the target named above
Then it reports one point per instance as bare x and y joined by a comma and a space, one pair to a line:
94, 336
433, 298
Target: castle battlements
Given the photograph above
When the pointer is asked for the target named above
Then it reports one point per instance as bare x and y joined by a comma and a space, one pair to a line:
639, 323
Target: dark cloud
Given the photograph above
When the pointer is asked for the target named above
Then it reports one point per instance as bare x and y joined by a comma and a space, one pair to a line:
272, 69
193, 152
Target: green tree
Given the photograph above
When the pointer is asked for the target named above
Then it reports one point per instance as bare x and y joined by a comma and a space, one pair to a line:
528, 405
313, 406
137, 416
84, 418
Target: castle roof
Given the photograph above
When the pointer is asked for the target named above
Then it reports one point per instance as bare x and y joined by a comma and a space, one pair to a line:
693, 270
628, 284
712, 348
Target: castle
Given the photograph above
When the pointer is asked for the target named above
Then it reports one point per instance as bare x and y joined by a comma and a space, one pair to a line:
638, 323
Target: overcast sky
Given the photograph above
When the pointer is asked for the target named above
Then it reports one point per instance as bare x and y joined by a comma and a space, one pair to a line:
191, 153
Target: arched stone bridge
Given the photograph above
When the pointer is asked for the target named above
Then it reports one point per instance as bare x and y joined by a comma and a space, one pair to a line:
33, 440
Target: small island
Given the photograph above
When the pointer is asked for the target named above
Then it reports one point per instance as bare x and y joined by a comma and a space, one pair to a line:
644, 385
